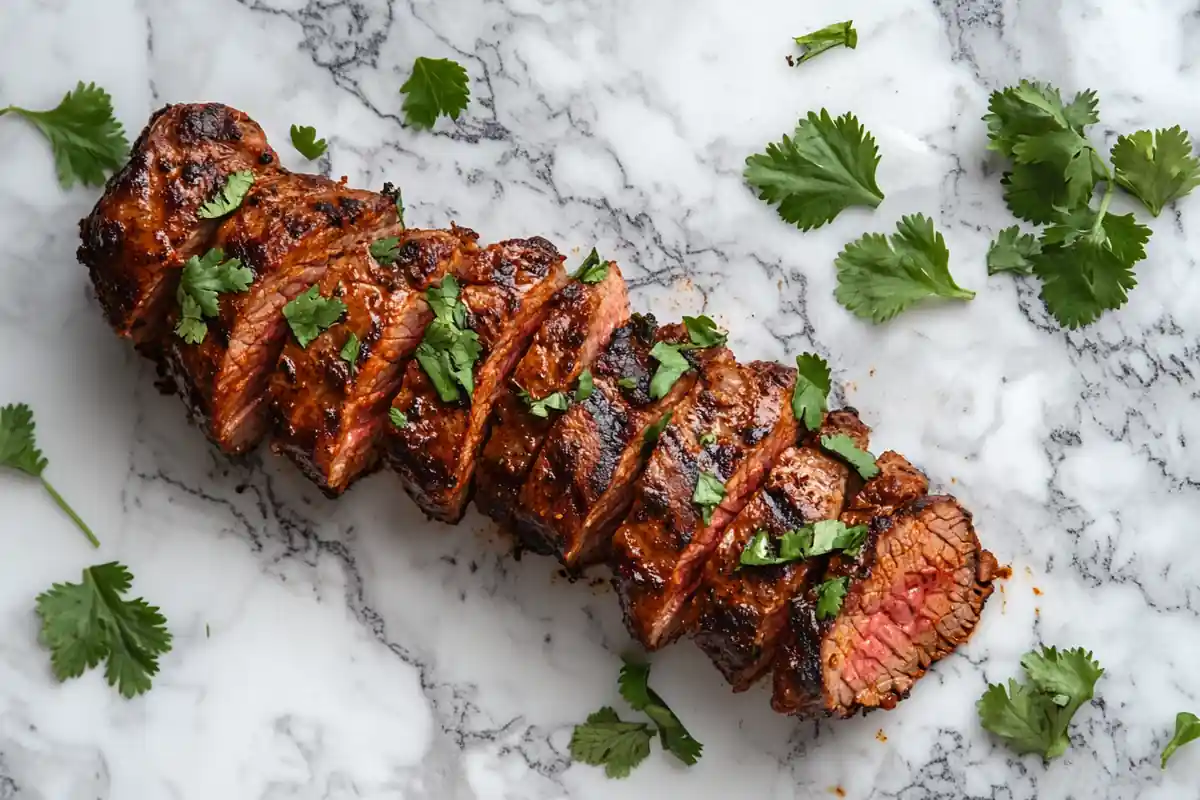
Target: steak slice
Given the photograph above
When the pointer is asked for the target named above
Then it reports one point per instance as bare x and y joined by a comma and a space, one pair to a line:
580, 322
286, 231
660, 550
330, 412
914, 595
145, 225
581, 484
739, 613
505, 289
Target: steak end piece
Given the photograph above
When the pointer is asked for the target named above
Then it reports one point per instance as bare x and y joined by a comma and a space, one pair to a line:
505, 289
330, 403
741, 413
740, 612
145, 225
914, 595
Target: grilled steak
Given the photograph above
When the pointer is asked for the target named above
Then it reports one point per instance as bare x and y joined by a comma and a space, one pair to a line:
739, 613
145, 225
581, 320
660, 550
329, 411
581, 484
286, 231
897, 484
505, 289
914, 594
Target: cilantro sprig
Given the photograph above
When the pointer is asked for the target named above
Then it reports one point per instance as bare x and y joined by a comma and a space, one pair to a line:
1187, 729
86, 139
1086, 254
606, 740
878, 279
831, 593
702, 334
201, 281
827, 166
437, 86
809, 541
1033, 717
844, 447
310, 313
19, 451
449, 350
839, 34
811, 392
304, 139
89, 622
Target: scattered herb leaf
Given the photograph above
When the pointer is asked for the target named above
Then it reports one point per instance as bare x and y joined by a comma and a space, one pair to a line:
843, 446
592, 270
634, 684
839, 34
703, 333
650, 437
397, 417
810, 394
86, 623
671, 366
350, 350
310, 313
627, 382
1187, 729
1156, 167
449, 350
385, 250
604, 740
229, 197
830, 594
557, 401
304, 139
1013, 251
586, 386
809, 541
437, 86
709, 493
202, 279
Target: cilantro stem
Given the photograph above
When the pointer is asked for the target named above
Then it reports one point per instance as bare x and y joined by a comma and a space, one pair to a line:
58, 498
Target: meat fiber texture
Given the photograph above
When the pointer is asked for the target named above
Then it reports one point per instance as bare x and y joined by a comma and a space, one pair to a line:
610, 478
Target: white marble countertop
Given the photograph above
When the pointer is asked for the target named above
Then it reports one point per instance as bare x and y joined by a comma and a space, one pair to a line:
355, 650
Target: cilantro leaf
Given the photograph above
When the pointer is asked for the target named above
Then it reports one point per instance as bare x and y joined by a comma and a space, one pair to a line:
810, 394
1013, 251
832, 534
671, 366
304, 139
1030, 109
708, 494
557, 401
592, 270
19, 451
1033, 717
604, 740
350, 351
86, 623
397, 417
1156, 167
703, 333
449, 349
830, 594
1187, 729
229, 197
385, 250
839, 34
1071, 156
843, 446
827, 167
587, 385
86, 139
817, 539
201, 280
310, 313
878, 280
708, 438
1035, 192
627, 382
436, 86
1082, 281
652, 432
634, 685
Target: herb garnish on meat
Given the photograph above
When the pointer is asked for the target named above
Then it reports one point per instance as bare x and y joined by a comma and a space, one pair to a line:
228, 197
310, 313
449, 350
844, 447
809, 541
593, 269
708, 494
202, 279
811, 392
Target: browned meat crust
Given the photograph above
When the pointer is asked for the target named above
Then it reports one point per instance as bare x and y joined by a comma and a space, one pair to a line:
581, 484
660, 549
739, 613
505, 289
914, 596
330, 413
144, 227
580, 323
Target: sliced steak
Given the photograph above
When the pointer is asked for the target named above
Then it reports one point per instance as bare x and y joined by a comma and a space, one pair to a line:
581, 484
145, 225
329, 411
914, 595
580, 322
505, 289
659, 551
739, 613
897, 484
286, 231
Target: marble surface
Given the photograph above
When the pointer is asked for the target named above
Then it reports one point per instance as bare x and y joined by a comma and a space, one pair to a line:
353, 650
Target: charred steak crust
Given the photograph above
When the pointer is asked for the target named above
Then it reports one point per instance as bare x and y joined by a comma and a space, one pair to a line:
738, 614
580, 322
329, 412
660, 549
914, 595
145, 225
505, 288
581, 483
